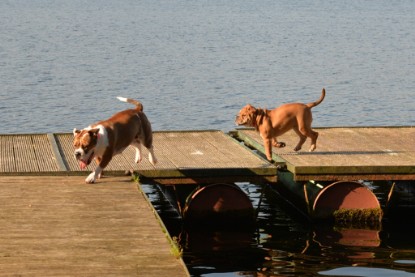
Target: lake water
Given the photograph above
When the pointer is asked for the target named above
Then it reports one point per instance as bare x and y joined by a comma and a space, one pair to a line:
194, 64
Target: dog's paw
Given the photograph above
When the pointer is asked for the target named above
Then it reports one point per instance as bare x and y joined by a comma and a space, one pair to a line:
312, 148
297, 148
90, 179
138, 157
138, 160
279, 144
152, 159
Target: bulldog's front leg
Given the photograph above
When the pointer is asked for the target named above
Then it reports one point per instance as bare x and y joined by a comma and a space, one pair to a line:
102, 163
94, 175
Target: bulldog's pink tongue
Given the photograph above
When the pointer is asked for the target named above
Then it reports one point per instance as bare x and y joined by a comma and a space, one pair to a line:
82, 164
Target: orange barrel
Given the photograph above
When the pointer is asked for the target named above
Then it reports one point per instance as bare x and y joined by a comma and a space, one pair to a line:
219, 203
344, 201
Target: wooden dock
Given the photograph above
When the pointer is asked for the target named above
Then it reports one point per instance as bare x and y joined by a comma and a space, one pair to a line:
352, 153
60, 226
184, 157
52, 223
349, 153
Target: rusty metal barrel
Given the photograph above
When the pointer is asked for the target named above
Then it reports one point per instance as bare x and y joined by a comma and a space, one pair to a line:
346, 202
218, 203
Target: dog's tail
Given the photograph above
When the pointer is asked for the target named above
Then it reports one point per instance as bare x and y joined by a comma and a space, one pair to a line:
138, 105
313, 104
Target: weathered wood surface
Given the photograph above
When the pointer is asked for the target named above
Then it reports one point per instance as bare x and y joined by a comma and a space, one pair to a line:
376, 153
59, 226
26, 153
181, 155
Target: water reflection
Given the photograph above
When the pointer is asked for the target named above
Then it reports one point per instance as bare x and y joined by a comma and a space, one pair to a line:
285, 244
210, 251
366, 271
331, 235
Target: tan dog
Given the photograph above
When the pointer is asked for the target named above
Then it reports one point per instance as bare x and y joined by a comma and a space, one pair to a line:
107, 138
271, 124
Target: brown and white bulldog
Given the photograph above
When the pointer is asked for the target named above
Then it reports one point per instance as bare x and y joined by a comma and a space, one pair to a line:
273, 123
107, 138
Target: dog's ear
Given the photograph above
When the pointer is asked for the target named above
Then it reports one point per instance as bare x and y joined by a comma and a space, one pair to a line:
251, 108
75, 131
94, 132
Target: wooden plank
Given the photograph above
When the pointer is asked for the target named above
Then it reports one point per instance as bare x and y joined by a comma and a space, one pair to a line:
56, 153
7, 160
45, 158
106, 229
359, 176
253, 140
24, 154
162, 151
123, 162
229, 152
349, 151
183, 153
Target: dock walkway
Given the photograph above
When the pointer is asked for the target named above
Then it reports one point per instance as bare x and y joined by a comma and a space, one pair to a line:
59, 226
346, 153
183, 157
52, 223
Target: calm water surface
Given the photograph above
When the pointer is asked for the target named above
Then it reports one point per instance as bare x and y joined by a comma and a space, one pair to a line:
194, 64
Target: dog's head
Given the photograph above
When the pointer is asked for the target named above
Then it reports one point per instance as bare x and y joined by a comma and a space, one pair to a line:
84, 143
246, 116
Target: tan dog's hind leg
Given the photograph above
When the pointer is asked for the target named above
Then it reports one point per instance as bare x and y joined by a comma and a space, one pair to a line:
302, 139
313, 141
303, 134
304, 130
